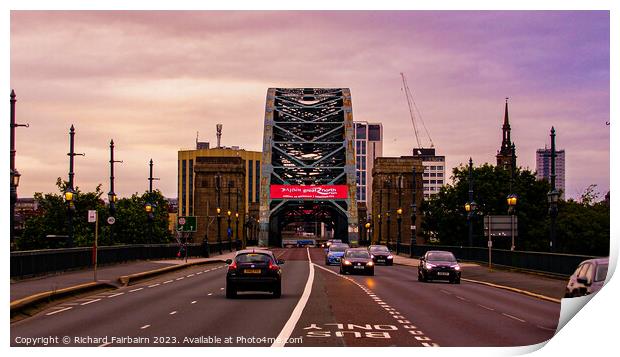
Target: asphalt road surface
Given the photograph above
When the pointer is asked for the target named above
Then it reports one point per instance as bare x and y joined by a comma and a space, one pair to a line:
318, 307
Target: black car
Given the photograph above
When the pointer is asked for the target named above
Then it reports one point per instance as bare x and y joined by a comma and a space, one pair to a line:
380, 254
439, 265
254, 270
357, 260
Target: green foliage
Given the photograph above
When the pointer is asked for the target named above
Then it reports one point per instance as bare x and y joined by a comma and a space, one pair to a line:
582, 228
131, 226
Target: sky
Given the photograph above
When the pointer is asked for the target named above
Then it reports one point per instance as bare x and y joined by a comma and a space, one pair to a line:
151, 80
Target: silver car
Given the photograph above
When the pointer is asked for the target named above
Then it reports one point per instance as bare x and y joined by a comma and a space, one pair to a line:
588, 278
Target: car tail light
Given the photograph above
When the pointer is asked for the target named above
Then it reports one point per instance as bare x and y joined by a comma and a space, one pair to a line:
273, 266
233, 266
346, 262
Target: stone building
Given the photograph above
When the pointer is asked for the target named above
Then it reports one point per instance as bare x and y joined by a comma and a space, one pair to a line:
393, 189
227, 173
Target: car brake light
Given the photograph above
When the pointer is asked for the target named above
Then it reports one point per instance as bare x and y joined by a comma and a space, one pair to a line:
273, 266
232, 266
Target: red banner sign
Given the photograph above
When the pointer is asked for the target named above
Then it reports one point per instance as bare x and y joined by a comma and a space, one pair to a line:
309, 192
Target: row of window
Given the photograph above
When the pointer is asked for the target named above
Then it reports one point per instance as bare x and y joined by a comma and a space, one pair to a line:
432, 182
426, 168
360, 147
433, 174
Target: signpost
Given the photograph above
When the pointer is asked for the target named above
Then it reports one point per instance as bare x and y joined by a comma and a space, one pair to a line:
499, 226
186, 224
92, 217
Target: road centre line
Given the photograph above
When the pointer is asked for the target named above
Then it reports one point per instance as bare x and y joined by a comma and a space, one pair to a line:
57, 311
133, 290
145, 326
209, 294
90, 302
486, 307
513, 317
167, 281
180, 278
154, 285
193, 302
117, 294
173, 312
288, 328
190, 275
460, 298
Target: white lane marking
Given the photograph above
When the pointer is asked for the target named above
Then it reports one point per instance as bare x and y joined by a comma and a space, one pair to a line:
57, 311
190, 275
154, 285
288, 328
486, 307
545, 328
193, 302
198, 273
145, 326
513, 317
209, 294
180, 278
445, 292
167, 281
223, 288
105, 344
90, 302
138, 289
111, 296
70, 304
460, 298
173, 312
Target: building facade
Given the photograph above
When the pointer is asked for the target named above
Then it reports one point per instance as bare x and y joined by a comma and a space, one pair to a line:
543, 168
186, 174
434, 176
368, 146
393, 188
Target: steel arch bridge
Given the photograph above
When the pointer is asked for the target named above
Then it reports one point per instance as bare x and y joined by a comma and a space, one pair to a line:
308, 166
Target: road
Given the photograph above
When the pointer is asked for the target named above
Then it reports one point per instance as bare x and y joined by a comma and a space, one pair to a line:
189, 308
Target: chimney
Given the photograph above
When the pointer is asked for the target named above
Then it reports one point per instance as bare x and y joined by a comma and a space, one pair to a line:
218, 128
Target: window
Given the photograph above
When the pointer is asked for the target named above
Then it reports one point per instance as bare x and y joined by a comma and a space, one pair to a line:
433, 182
433, 174
374, 132
363, 148
363, 164
250, 179
440, 182
440, 174
433, 167
425, 182
360, 131
426, 174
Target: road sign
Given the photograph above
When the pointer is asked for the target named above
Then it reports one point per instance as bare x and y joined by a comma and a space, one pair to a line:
111, 220
92, 216
186, 224
501, 226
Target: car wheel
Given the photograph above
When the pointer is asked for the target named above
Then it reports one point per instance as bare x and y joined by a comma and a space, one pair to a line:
277, 292
231, 292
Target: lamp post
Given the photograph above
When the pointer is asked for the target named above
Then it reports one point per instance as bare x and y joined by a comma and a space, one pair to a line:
237, 221
15, 175
112, 194
388, 237
470, 206
367, 226
512, 203
380, 226
218, 189
552, 197
413, 210
229, 230
149, 206
70, 191
399, 213
379, 216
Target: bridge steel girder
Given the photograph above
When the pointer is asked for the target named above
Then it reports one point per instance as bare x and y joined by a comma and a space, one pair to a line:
308, 140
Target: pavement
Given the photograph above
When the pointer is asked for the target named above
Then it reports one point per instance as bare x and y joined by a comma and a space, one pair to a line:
527, 282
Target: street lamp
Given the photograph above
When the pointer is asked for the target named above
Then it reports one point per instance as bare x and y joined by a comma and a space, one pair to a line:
14, 173
380, 225
470, 206
69, 199
414, 209
553, 196
512, 203
388, 237
236, 230
367, 226
399, 219
148, 207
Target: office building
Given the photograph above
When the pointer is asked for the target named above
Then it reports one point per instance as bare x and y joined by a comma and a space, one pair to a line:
368, 146
434, 176
543, 168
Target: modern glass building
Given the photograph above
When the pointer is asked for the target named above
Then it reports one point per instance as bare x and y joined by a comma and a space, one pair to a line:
543, 168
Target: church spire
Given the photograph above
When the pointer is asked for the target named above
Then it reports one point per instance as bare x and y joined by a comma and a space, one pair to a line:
505, 155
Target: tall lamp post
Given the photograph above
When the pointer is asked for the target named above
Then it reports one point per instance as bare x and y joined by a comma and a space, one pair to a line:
218, 189
553, 197
228, 212
15, 175
237, 222
470, 206
112, 194
399, 213
512, 199
388, 237
413, 211
149, 207
367, 226
70, 191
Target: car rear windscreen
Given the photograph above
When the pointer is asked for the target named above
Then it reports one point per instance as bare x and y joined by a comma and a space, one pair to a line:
253, 258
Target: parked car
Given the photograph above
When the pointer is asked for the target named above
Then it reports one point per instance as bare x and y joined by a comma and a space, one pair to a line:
380, 254
254, 270
439, 265
335, 252
357, 260
588, 278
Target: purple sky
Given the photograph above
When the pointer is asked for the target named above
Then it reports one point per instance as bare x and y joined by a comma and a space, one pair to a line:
150, 80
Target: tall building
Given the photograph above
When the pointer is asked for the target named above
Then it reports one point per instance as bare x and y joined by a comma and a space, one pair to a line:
506, 156
368, 146
543, 168
187, 159
434, 176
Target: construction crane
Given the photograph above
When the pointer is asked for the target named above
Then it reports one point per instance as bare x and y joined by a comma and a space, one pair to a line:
412, 105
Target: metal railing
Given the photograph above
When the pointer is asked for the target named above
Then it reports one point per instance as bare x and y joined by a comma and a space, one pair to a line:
37, 262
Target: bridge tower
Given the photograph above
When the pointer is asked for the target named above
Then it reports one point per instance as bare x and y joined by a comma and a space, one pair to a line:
308, 166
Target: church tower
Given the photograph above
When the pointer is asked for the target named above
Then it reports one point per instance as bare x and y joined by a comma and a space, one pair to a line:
506, 157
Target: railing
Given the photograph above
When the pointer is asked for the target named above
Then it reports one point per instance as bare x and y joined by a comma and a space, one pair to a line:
37, 262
